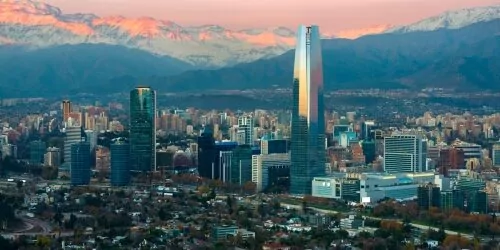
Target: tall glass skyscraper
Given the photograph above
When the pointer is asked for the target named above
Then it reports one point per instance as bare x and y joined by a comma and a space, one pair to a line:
308, 120
142, 129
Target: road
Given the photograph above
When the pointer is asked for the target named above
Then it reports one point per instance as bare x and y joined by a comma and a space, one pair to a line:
45, 229
419, 226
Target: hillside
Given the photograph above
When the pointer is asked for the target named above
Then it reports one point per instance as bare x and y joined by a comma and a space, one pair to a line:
78, 68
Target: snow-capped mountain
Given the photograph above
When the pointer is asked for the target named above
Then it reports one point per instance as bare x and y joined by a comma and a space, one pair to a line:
41, 25
452, 19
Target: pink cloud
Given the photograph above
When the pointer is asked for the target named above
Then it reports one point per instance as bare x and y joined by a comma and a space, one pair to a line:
331, 15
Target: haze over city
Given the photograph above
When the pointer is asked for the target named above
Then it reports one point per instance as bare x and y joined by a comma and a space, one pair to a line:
332, 16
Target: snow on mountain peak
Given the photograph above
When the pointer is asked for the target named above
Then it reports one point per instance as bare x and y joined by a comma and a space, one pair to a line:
29, 7
453, 19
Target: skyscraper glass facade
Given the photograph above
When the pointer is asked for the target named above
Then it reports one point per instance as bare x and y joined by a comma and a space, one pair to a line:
142, 129
80, 164
308, 125
120, 159
37, 151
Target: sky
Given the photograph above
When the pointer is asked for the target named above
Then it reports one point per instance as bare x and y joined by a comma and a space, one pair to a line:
330, 15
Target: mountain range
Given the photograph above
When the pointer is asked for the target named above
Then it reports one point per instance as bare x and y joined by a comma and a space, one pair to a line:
52, 53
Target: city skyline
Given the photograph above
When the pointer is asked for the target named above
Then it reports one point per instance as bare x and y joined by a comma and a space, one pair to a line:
331, 16
308, 120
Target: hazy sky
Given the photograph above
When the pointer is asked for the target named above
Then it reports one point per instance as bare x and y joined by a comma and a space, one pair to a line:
331, 15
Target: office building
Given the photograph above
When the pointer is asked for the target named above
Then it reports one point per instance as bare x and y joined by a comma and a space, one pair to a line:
366, 130
470, 185
477, 202
273, 146
241, 165
346, 138
470, 150
428, 196
206, 153
450, 158
224, 165
446, 202
405, 153
102, 158
9, 150
339, 129
143, 129
73, 135
120, 162
326, 187
351, 222
495, 154
92, 137
308, 120
37, 150
66, 109
269, 170
371, 187
369, 151
222, 232
245, 133
52, 158
80, 164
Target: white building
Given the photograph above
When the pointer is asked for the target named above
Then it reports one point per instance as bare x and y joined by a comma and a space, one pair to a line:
372, 187
261, 165
73, 135
471, 150
245, 134
405, 153
53, 157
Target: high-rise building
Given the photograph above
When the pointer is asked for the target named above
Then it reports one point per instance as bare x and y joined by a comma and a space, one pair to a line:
245, 130
429, 196
267, 170
143, 129
369, 151
495, 154
73, 135
450, 158
120, 163
366, 130
102, 158
405, 153
308, 125
206, 153
66, 109
52, 158
80, 164
241, 165
37, 150
273, 146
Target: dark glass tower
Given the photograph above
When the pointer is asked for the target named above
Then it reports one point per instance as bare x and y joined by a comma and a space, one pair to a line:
120, 163
80, 164
206, 153
308, 121
37, 151
142, 129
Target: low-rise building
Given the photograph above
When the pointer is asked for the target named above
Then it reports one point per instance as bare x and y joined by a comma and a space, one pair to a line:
372, 187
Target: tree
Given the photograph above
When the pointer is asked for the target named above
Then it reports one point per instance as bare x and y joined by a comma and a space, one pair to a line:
163, 214
451, 240
304, 206
229, 203
43, 242
58, 217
